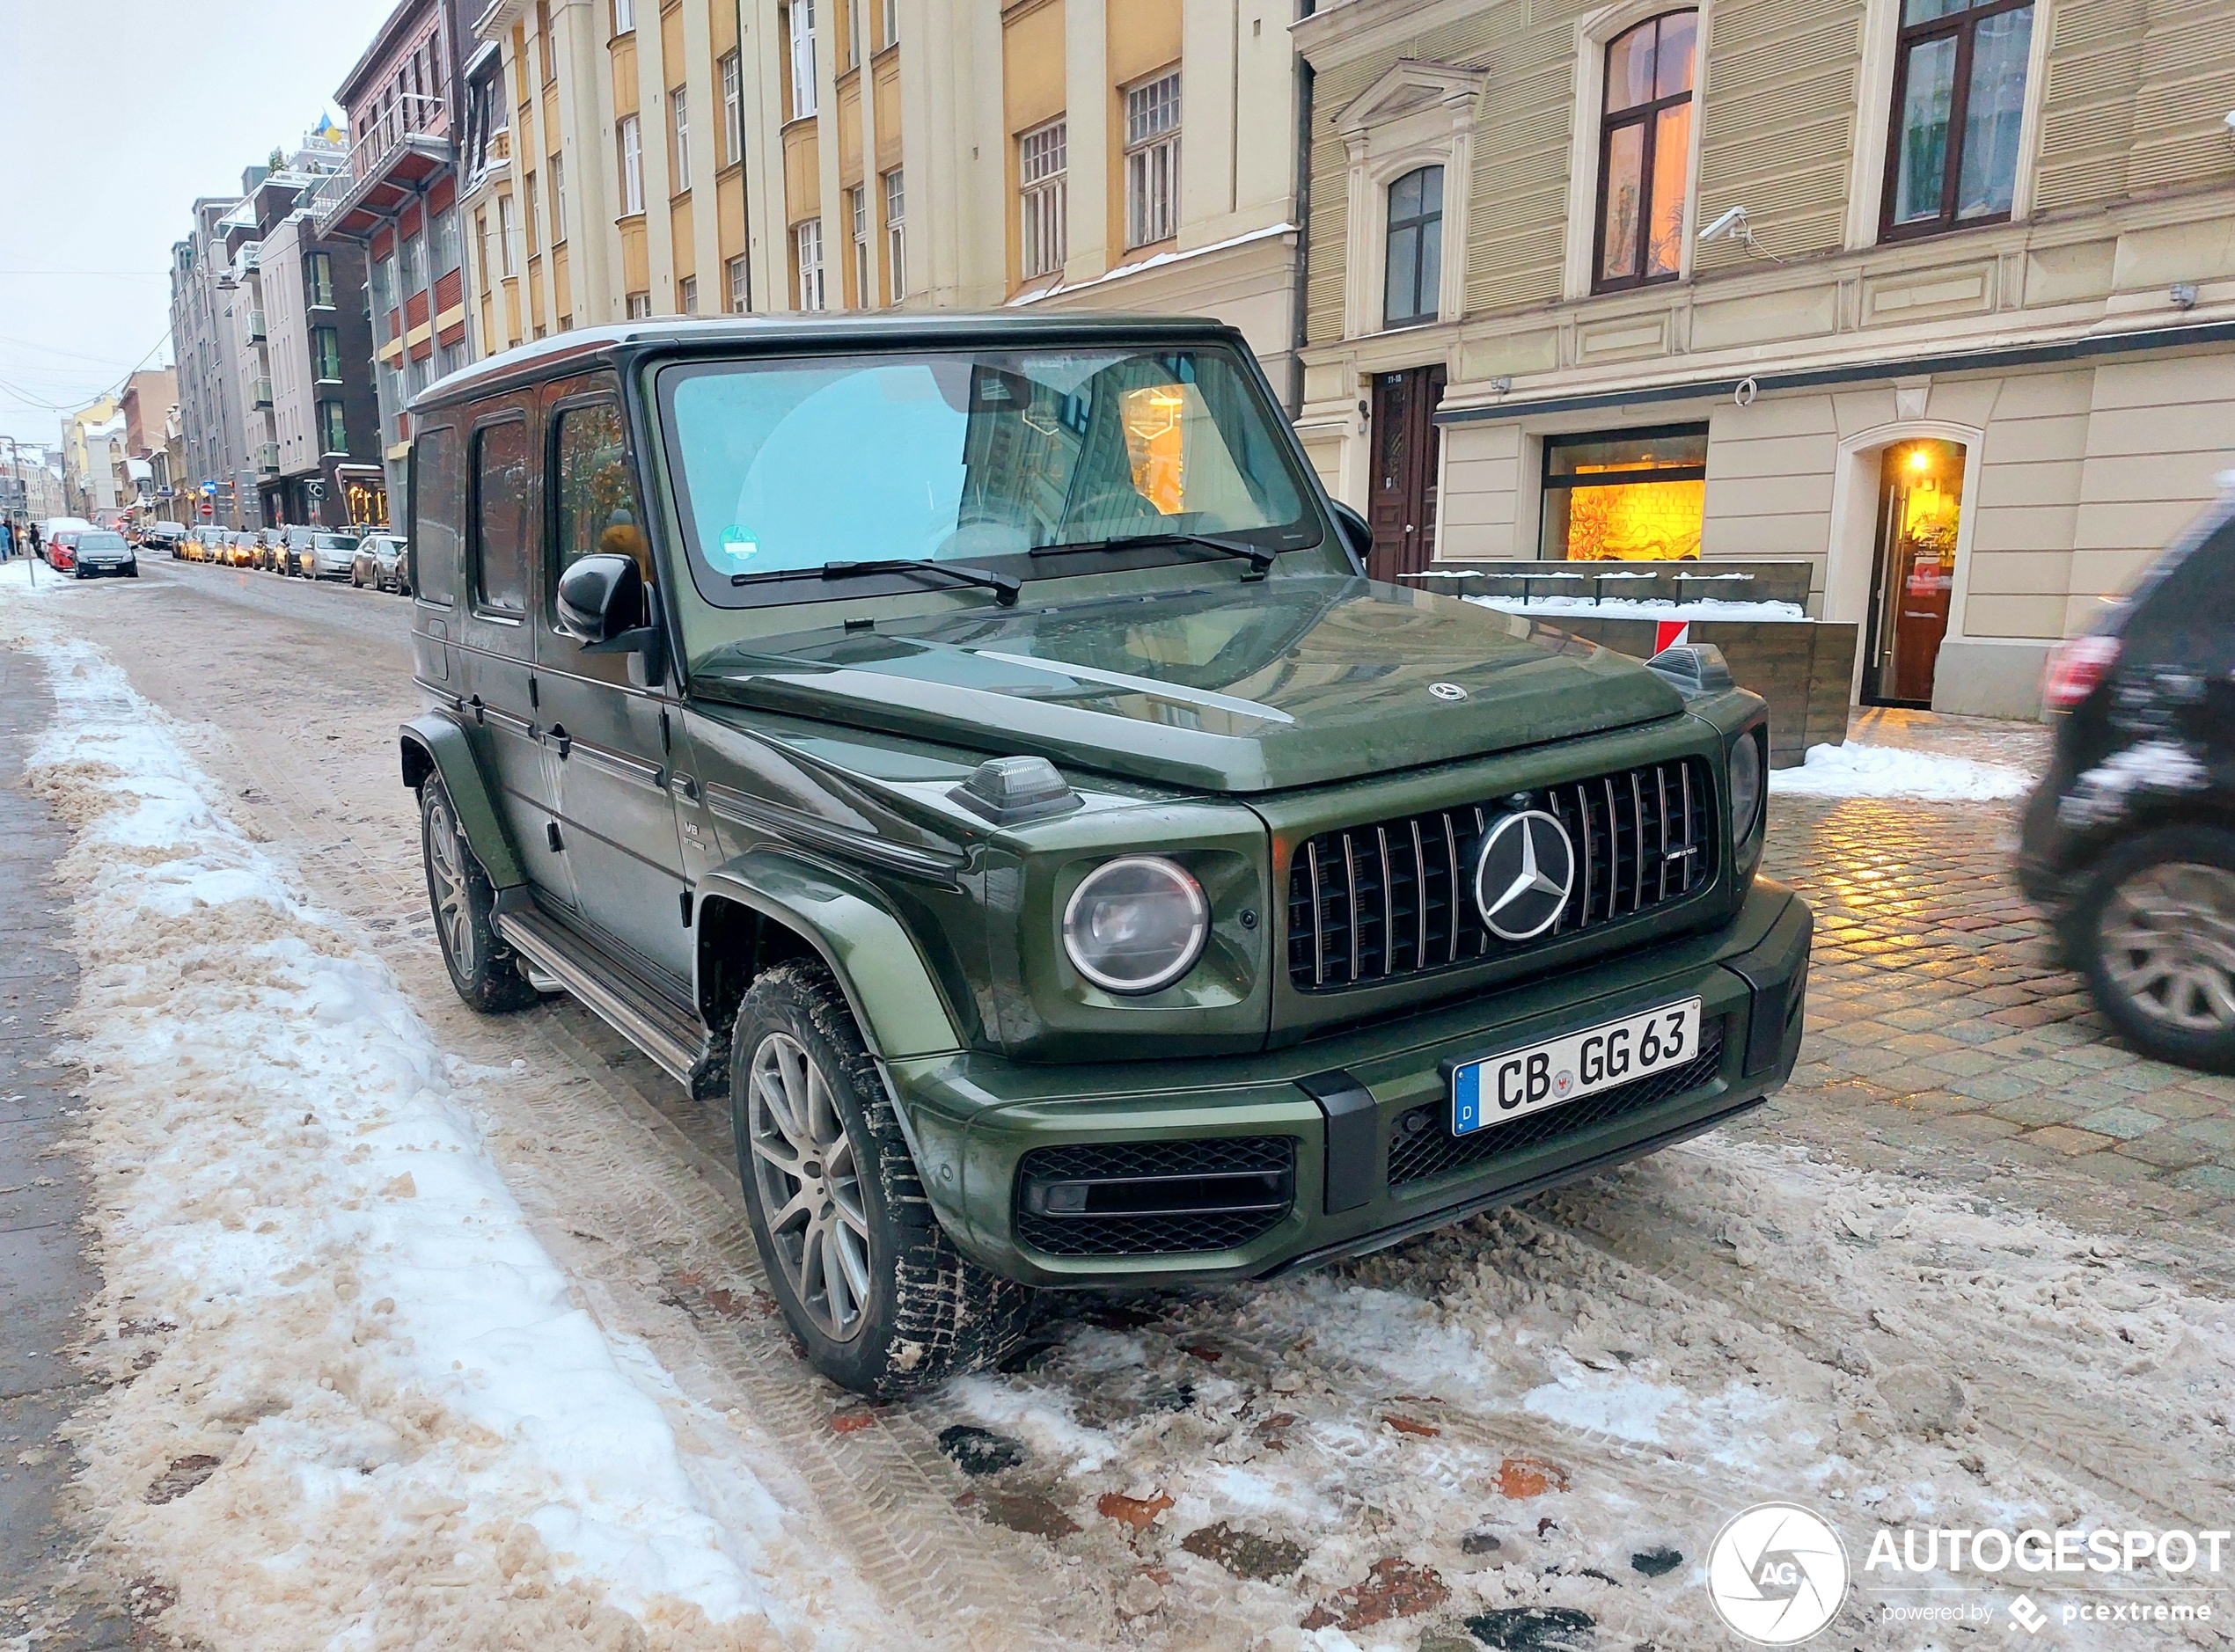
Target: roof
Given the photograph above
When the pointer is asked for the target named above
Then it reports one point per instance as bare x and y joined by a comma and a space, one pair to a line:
767, 335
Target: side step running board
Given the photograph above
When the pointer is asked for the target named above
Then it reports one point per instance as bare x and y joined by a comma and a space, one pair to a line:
649, 1018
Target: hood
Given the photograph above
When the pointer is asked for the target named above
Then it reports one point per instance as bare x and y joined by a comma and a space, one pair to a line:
1300, 680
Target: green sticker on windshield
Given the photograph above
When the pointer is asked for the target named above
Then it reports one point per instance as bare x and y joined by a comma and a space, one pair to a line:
738, 547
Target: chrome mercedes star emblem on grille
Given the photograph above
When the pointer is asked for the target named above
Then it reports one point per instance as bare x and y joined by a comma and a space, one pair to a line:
1523, 874
1447, 690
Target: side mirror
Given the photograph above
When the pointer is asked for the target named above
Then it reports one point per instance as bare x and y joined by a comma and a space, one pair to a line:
1356, 533
603, 604
599, 597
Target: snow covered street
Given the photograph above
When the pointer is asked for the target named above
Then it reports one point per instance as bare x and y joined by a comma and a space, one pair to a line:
425, 1328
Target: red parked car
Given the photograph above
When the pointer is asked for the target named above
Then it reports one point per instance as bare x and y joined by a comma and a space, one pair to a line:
62, 549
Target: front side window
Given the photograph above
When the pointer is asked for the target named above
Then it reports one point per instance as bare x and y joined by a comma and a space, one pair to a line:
896, 232
501, 517
629, 137
1958, 105
1644, 151
1625, 495
1153, 161
981, 455
1041, 173
802, 35
679, 105
807, 249
1414, 270
594, 509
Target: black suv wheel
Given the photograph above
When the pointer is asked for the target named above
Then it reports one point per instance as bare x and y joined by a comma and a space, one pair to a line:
867, 1280
482, 968
2155, 935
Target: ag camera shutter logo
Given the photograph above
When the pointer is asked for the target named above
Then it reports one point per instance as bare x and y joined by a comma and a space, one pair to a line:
1777, 1574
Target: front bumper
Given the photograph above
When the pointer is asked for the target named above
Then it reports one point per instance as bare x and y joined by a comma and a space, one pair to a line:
1344, 1102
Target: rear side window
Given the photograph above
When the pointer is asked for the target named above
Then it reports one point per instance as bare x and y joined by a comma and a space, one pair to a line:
438, 509
500, 518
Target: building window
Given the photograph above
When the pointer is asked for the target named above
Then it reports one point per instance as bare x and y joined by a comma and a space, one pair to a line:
630, 137
529, 184
543, 44
443, 239
639, 306
624, 16
686, 295
504, 233
558, 201
807, 250
333, 431
896, 232
1153, 161
891, 22
1040, 185
1625, 495
740, 290
733, 111
1959, 101
803, 27
1644, 152
317, 281
679, 111
414, 264
1412, 276
857, 203
325, 353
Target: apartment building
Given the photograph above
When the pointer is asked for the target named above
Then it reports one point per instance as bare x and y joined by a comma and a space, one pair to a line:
1935, 295
212, 413
326, 420
703, 156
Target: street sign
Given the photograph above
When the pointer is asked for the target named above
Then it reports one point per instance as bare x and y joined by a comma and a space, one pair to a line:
314, 491
209, 488
209, 509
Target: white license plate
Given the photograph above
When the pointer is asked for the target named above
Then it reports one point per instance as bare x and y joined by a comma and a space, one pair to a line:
1539, 1076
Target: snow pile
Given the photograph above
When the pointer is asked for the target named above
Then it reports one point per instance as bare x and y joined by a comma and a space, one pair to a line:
1853, 770
1633, 608
356, 1401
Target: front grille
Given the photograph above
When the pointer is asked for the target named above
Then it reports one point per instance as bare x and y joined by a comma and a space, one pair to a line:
1395, 899
1156, 1198
1422, 1145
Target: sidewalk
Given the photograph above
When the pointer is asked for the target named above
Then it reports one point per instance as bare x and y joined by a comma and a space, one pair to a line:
44, 1275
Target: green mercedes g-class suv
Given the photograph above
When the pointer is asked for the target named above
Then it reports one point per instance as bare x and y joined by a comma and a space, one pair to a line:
970, 747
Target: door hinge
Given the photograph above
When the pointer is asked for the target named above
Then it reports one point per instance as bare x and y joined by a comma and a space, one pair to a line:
534, 696
686, 908
551, 835
666, 739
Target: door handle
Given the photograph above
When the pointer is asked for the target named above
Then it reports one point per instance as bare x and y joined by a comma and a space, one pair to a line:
561, 738
685, 786
478, 708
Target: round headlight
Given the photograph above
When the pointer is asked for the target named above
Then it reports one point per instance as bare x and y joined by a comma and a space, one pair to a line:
1746, 786
1136, 924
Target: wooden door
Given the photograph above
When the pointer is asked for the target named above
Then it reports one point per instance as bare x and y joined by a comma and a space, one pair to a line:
1920, 503
1403, 509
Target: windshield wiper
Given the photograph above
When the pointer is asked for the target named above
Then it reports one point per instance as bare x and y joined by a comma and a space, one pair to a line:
1005, 589
1260, 559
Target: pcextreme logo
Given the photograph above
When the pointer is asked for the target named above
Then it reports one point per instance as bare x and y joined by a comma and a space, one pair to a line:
1777, 1574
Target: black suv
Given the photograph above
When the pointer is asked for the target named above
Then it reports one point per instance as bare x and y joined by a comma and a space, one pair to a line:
2129, 841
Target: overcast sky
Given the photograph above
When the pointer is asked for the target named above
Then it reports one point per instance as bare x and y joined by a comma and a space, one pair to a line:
115, 115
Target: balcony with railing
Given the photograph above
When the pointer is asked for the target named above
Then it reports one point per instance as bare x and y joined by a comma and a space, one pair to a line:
260, 393
256, 324
268, 458
406, 144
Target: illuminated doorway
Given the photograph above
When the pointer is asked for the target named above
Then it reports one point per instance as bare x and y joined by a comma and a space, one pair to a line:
1920, 508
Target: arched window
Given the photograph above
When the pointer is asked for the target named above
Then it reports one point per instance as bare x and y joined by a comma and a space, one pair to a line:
1644, 151
1414, 276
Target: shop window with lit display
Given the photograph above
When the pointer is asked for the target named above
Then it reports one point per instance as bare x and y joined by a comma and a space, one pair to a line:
1625, 496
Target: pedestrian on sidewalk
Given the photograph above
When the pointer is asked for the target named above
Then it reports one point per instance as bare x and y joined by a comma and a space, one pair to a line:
7, 540
34, 531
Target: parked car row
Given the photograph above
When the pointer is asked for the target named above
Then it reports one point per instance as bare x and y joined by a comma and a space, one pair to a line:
73, 545
376, 559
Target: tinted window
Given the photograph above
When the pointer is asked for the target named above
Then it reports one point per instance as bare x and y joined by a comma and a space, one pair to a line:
438, 505
500, 518
337, 541
593, 497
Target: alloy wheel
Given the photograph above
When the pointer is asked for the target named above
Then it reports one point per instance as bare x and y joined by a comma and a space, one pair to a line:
453, 893
2168, 937
809, 1185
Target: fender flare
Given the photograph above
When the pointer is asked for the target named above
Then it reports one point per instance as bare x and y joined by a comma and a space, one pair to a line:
433, 744
896, 1002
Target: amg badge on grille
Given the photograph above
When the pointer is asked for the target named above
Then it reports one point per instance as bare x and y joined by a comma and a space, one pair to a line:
1523, 874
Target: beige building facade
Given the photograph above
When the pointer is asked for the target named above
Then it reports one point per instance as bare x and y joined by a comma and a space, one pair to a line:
706, 157
1937, 297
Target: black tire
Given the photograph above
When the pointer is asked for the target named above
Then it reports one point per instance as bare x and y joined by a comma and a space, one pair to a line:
2154, 932
484, 970
922, 1311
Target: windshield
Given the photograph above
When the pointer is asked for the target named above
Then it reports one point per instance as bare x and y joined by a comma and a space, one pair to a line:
968, 456
99, 541
336, 542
